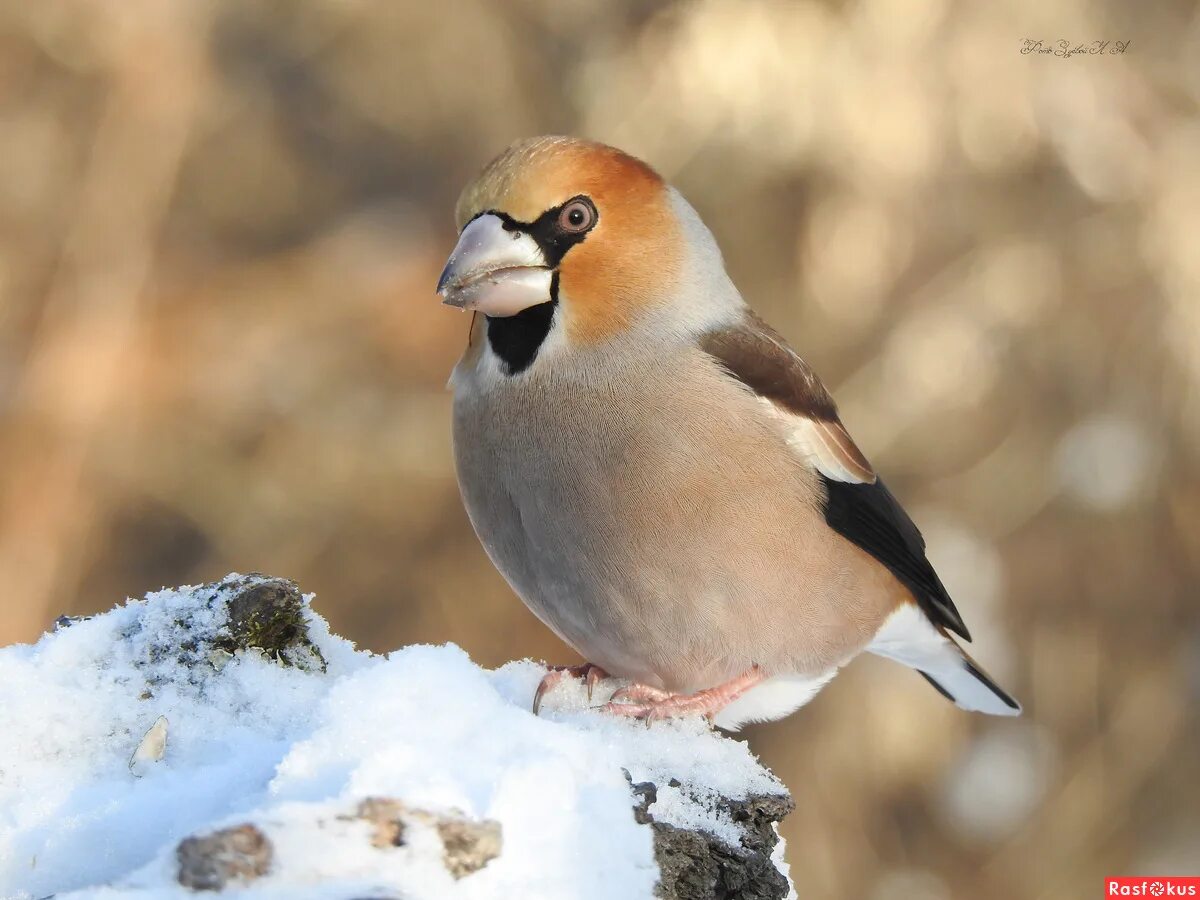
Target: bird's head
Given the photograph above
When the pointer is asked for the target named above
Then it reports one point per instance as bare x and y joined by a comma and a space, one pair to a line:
577, 231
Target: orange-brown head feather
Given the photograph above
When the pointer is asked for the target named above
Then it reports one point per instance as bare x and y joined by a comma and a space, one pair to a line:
629, 258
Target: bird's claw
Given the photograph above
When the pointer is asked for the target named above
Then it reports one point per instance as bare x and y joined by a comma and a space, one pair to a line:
591, 674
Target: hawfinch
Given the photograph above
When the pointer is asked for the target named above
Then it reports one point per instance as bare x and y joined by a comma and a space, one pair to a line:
657, 474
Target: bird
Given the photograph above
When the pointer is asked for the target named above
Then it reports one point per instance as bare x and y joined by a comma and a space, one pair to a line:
656, 473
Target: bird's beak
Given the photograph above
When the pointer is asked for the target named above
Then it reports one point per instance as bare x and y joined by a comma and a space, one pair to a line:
495, 271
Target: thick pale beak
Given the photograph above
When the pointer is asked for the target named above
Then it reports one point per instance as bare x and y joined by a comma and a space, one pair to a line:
495, 271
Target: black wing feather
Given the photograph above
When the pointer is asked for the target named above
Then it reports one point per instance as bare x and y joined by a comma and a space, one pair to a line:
866, 514
870, 517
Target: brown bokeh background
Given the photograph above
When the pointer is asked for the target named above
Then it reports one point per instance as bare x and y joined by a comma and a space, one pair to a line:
220, 350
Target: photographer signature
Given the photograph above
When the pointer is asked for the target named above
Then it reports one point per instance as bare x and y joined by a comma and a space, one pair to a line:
1065, 49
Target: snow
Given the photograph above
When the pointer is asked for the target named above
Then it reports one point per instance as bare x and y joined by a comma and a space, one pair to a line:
125, 733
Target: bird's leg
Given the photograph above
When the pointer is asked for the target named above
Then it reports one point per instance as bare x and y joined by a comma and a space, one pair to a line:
639, 693
703, 703
591, 674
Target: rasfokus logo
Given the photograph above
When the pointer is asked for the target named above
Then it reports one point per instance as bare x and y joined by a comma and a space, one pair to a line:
1150, 886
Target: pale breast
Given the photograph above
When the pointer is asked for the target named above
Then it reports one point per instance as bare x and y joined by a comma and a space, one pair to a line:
655, 518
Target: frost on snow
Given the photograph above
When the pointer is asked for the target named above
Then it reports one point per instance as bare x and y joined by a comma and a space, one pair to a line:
219, 737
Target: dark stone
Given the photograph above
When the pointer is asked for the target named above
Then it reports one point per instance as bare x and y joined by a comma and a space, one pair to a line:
65, 621
758, 815
694, 865
647, 794
267, 614
211, 862
686, 867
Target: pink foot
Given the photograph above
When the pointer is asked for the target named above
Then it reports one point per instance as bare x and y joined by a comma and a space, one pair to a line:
591, 674
639, 693
651, 706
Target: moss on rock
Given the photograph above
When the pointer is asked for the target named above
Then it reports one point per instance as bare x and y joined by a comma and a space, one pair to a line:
267, 614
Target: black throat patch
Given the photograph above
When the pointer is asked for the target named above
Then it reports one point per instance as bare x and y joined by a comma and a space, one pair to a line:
516, 339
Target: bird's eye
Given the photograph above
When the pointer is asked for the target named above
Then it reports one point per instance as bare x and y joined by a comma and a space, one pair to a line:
576, 217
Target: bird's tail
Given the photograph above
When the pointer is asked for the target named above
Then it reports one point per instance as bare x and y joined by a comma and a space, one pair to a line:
910, 638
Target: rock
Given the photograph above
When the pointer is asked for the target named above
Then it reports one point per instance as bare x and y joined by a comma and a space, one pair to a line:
239, 615
65, 621
468, 845
265, 614
695, 865
211, 862
387, 817
647, 794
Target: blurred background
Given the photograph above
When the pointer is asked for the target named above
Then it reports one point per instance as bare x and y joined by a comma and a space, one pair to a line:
221, 224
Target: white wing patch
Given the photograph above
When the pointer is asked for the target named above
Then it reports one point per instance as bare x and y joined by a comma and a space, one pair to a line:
826, 446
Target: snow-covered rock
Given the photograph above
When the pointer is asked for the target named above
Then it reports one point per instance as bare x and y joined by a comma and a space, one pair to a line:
219, 737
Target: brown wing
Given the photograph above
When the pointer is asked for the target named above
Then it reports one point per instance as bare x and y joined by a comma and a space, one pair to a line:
858, 505
756, 355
